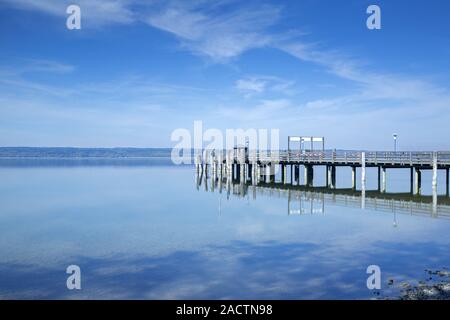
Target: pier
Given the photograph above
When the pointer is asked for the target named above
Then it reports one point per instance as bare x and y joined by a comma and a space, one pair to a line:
290, 173
255, 166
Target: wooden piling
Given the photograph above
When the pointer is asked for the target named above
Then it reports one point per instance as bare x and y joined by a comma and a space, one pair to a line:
363, 170
434, 179
417, 181
353, 177
447, 181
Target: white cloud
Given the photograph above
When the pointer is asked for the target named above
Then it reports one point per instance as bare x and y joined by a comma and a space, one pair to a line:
93, 12
218, 34
386, 90
208, 28
253, 85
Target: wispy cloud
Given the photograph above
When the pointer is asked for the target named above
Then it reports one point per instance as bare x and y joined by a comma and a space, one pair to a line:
94, 12
254, 85
14, 76
386, 90
251, 85
219, 30
263, 110
223, 30
206, 29
23, 66
40, 65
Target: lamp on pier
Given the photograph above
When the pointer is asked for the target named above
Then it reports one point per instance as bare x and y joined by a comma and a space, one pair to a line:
394, 135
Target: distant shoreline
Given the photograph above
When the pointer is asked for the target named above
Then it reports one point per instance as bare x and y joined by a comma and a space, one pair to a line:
82, 153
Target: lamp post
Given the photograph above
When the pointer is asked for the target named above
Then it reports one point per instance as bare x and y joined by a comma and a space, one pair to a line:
395, 141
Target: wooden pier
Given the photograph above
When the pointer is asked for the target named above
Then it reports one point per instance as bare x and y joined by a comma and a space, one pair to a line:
262, 166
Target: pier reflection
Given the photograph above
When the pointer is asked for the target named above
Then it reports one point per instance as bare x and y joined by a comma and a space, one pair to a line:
303, 199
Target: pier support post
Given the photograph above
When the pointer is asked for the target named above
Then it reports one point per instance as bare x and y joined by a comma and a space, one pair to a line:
272, 172
383, 179
266, 173
332, 177
306, 174
253, 170
214, 173
258, 173
434, 180
231, 167
447, 181
411, 180
205, 181
198, 163
353, 178
292, 173
296, 174
417, 181
363, 170
198, 180
309, 175
220, 180
227, 161
378, 178
207, 162
213, 179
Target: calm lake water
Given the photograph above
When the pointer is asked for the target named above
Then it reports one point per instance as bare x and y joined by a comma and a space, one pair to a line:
145, 229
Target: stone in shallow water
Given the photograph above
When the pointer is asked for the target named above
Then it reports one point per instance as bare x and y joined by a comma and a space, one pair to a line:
446, 287
405, 285
430, 291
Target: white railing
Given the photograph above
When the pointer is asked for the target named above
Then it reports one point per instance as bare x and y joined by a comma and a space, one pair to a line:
372, 157
329, 157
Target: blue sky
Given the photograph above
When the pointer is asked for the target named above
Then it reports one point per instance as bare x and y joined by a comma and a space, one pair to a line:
137, 70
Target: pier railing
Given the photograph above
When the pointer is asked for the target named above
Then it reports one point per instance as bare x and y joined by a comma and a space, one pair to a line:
399, 158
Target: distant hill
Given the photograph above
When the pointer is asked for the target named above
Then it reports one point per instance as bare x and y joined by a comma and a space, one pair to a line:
63, 152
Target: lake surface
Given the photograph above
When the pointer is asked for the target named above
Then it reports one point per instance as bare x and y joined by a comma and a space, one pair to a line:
146, 229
